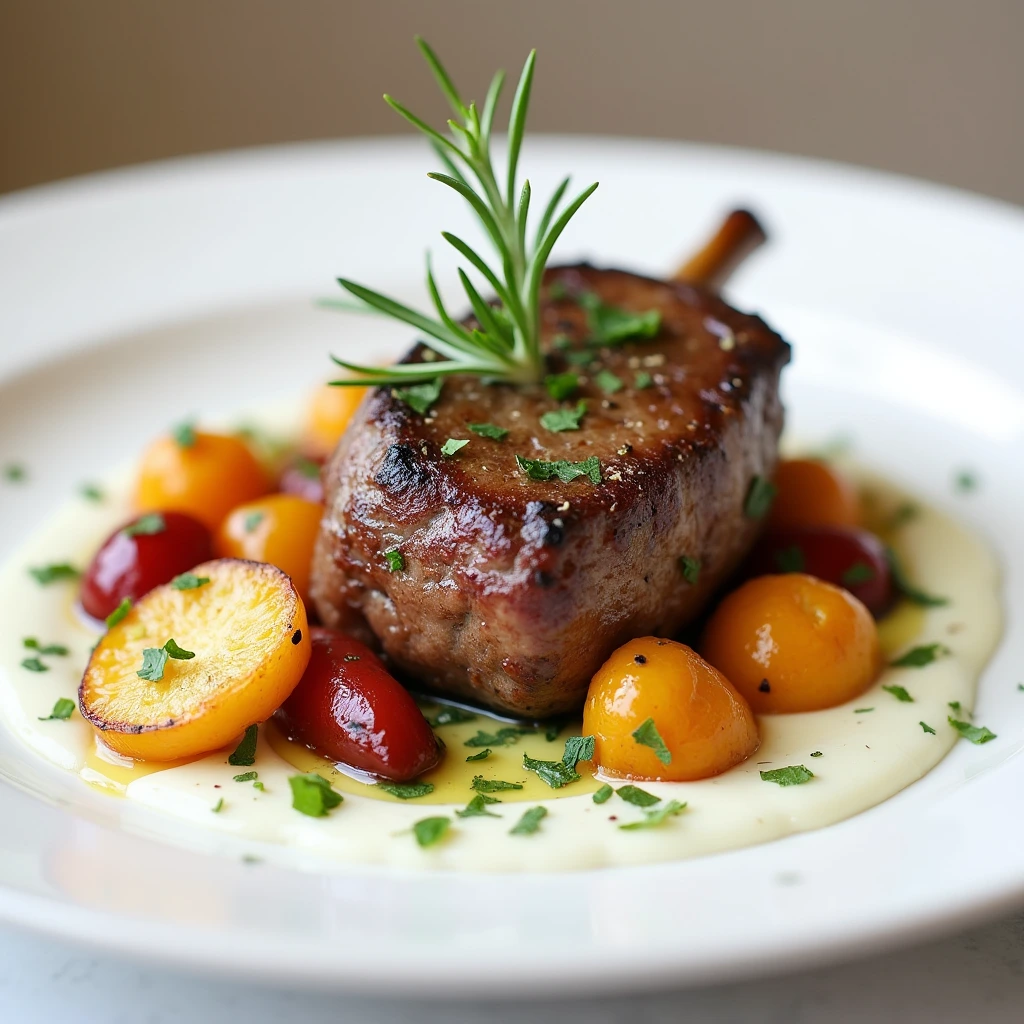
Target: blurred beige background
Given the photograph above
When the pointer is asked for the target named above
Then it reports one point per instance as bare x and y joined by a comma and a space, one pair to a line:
927, 87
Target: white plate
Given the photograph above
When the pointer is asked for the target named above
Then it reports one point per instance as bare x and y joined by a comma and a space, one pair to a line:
133, 298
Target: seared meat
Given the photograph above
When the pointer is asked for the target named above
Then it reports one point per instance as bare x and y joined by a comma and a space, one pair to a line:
515, 590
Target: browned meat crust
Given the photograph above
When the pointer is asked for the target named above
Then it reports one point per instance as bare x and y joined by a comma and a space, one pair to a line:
515, 591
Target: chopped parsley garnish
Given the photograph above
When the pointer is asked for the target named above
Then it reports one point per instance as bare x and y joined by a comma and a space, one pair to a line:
529, 822
189, 581
245, 753
453, 445
395, 560
488, 430
451, 716
558, 420
505, 736
184, 435
859, 572
477, 807
956, 706
690, 567
34, 665
760, 496
862, 711
647, 735
608, 382
899, 693
482, 785
642, 380
15, 473
578, 748
610, 325
407, 791
253, 520
146, 526
965, 481
47, 574
252, 777
637, 797
420, 397
604, 794
91, 492
46, 650
792, 775
790, 559
652, 819
178, 653
482, 756
61, 712
927, 728
431, 830
552, 729
913, 594
312, 794
119, 613
816, 753
538, 469
555, 773
975, 733
154, 661
918, 657
218, 806
561, 385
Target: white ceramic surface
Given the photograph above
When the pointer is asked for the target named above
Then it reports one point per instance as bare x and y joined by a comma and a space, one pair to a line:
131, 299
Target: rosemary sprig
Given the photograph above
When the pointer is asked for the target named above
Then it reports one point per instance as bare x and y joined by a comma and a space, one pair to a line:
505, 345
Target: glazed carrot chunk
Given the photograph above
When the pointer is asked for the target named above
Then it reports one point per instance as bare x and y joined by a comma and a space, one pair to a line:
330, 409
187, 671
204, 475
280, 529
812, 493
793, 643
657, 710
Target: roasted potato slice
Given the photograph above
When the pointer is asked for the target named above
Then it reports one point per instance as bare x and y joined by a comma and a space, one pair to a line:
247, 633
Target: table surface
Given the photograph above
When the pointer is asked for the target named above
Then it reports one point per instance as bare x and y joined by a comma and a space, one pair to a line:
976, 976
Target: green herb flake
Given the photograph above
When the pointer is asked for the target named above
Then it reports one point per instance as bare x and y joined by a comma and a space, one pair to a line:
610, 325
488, 430
647, 735
245, 753
578, 748
15, 473
34, 665
552, 730
307, 468
91, 492
555, 773
453, 445
859, 572
47, 574
431, 830
956, 706
407, 790
608, 382
582, 358
145, 526
652, 819
45, 650
395, 560
189, 581
178, 653
918, 657
690, 567
154, 661
477, 807
965, 481
927, 728
420, 397
184, 435
451, 716
760, 496
862, 711
792, 775
218, 806
790, 559
312, 794
482, 785
61, 712
252, 521
246, 777
558, 420
907, 589
637, 797
642, 380
899, 693
504, 737
119, 613
482, 756
977, 734
529, 822
538, 469
816, 753
603, 795
561, 385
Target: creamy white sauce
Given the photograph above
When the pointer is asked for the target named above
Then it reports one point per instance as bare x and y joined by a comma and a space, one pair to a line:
865, 758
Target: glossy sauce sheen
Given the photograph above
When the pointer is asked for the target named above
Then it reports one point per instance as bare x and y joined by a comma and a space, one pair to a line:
865, 757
